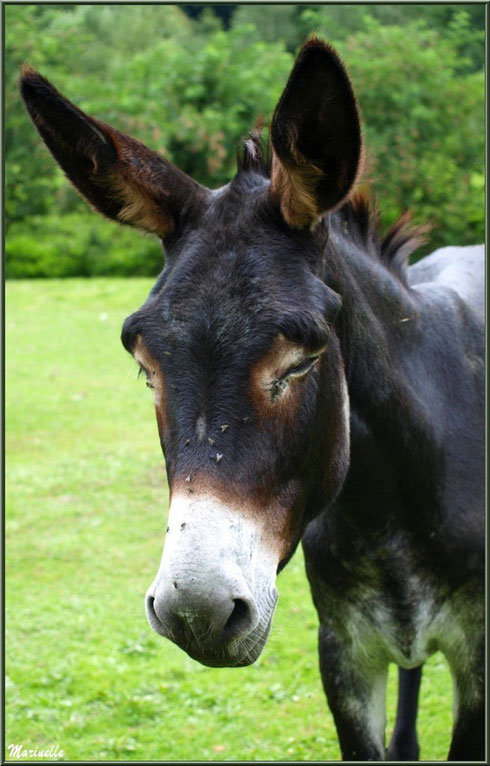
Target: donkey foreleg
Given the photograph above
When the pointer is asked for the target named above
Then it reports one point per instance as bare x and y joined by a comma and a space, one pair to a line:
404, 745
356, 696
466, 658
468, 738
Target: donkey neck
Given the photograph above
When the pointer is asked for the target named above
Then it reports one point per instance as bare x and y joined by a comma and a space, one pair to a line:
375, 321
391, 426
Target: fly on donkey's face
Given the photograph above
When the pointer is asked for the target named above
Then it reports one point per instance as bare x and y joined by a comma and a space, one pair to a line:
237, 340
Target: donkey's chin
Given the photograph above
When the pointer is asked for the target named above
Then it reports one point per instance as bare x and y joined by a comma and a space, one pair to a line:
234, 654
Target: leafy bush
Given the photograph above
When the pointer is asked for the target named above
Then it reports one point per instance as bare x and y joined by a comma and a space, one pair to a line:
78, 244
201, 103
191, 90
424, 126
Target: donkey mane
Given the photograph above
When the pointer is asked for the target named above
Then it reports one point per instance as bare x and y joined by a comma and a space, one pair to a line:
359, 214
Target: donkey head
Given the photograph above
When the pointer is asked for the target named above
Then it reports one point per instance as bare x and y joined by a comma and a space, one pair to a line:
237, 340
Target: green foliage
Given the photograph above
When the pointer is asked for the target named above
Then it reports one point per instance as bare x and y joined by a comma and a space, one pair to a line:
207, 97
273, 23
191, 91
86, 504
70, 45
424, 127
78, 244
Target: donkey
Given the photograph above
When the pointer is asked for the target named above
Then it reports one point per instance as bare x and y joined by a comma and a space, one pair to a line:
308, 385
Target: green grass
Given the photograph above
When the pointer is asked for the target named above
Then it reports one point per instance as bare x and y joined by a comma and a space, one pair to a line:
87, 501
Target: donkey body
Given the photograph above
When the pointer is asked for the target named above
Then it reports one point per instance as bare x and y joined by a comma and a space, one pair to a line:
396, 563
308, 386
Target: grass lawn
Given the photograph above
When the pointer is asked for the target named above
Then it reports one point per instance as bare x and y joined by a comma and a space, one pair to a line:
86, 507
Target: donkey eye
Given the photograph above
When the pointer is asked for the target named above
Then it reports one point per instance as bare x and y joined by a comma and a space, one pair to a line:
298, 371
144, 372
301, 369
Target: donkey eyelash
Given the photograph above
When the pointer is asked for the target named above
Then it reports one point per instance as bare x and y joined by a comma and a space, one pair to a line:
301, 369
148, 382
298, 371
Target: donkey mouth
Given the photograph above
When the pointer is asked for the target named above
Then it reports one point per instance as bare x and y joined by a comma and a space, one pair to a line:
227, 654
219, 651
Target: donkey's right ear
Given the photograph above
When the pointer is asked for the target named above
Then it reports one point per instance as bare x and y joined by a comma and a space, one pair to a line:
120, 177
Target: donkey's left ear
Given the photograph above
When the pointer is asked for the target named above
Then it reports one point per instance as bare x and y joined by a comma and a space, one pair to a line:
316, 137
120, 177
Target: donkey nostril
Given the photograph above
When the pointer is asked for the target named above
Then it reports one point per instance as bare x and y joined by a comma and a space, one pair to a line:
239, 621
151, 613
150, 601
